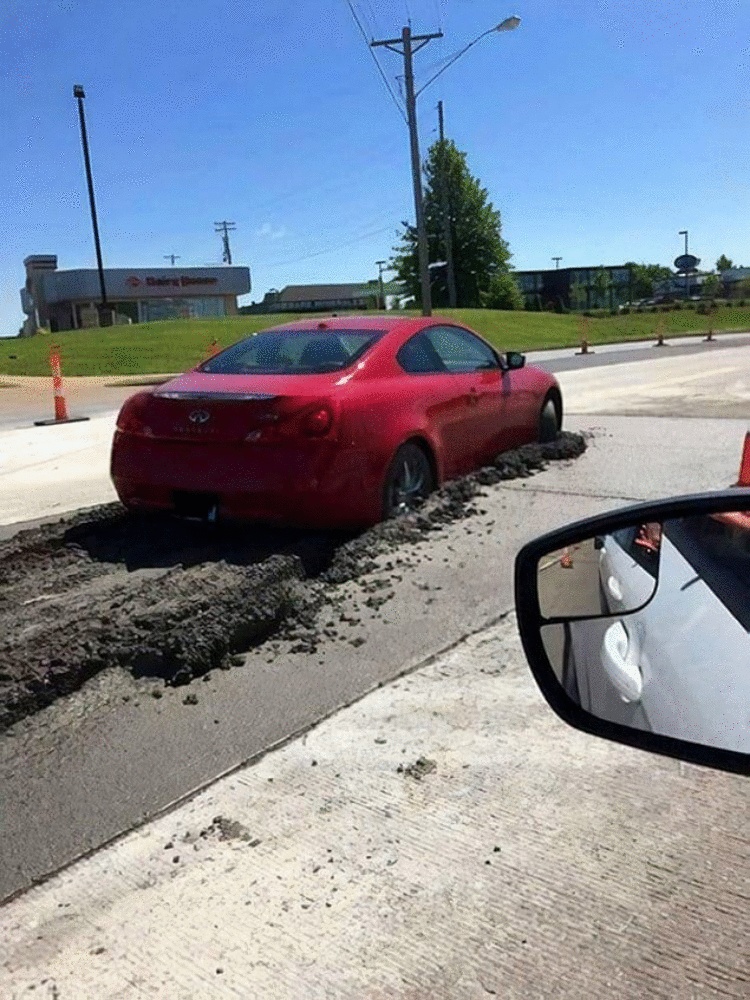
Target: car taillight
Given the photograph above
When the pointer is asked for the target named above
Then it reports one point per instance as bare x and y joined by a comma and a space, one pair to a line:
132, 417
317, 423
313, 421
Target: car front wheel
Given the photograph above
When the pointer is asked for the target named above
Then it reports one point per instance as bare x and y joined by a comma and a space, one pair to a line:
548, 425
410, 479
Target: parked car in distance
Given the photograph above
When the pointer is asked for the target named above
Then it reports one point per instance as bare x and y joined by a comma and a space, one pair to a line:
336, 422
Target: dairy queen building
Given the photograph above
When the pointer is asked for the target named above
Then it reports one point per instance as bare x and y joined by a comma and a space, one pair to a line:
69, 300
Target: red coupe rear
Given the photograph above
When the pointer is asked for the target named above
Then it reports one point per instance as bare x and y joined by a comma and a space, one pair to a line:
332, 423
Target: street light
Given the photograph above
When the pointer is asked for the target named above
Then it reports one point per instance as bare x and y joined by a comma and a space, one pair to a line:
405, 47
509, 24
79, 94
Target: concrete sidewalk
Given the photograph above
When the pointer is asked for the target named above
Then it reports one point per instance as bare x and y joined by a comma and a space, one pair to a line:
446, 838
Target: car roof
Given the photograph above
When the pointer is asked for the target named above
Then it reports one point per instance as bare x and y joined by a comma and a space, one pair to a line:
378, 321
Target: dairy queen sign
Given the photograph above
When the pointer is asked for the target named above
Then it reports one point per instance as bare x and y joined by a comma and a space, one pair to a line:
179, 281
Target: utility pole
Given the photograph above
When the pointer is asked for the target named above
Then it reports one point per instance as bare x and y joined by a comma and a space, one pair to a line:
225, 228
446, 212
381, 264
409, 45
557, 261
171, 257
79, 94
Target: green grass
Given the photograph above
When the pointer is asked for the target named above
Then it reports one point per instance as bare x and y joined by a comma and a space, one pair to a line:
172, 346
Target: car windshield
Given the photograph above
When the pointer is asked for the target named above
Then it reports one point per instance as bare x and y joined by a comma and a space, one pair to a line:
293, 352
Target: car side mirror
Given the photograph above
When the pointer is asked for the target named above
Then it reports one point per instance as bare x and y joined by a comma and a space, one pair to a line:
514, 360
636, 625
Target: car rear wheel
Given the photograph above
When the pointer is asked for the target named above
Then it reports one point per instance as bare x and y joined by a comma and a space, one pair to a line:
410, 479
548, 424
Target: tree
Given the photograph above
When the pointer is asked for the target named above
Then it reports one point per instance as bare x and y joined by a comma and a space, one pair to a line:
578, 296
711, 285
479, 251
503, 293
601, 286
645, 277
723, 263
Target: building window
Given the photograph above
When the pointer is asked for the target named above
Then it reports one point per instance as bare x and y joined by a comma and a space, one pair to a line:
200, 308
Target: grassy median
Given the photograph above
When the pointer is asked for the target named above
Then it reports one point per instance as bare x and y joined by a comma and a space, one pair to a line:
176, 345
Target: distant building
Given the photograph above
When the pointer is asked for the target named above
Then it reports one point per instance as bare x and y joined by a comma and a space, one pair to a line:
321, 298
575, 287
731, 280
68, 300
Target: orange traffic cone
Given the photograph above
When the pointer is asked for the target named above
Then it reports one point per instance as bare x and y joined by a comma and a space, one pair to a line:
61, 408
744, 476
565, 561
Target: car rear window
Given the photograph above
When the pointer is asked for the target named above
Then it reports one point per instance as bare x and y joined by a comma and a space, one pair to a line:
293, 352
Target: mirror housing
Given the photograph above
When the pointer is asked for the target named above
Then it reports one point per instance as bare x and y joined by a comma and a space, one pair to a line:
694, 655
514, 360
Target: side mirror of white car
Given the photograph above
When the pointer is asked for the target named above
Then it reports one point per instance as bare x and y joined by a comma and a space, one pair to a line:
636, 625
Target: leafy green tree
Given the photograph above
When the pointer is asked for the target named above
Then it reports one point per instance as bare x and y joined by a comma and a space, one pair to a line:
479, 251
723, 263
503, 293
601, 286
578, 297
711, 285
645, 277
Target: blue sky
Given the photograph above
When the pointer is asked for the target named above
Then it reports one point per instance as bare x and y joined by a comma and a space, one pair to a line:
600, 129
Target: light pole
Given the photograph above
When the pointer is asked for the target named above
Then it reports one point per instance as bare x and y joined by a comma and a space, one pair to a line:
557, 261
684, 232
406, 46
381, 266
171, 257
79, 94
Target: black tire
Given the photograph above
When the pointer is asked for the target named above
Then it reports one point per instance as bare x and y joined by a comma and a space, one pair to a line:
409, 481
548, 423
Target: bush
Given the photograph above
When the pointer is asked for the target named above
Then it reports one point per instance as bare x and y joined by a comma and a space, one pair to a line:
666, 309
625, 311
503, 293
677, 305
653, 309
587, 312
702, 308
740, 302
690, 305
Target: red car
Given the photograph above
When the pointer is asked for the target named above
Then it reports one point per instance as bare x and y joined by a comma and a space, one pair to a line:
329, 423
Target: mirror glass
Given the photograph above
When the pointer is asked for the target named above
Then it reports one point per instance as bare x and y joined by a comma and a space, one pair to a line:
667, 645
602, 575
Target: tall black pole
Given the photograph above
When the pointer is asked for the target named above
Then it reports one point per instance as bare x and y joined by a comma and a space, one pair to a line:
407, 50
79, 94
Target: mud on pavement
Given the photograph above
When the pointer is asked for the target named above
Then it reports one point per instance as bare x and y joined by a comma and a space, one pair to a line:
173, 600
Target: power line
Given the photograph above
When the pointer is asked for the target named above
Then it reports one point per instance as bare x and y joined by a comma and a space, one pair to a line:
172, 257
383, 77
331, 249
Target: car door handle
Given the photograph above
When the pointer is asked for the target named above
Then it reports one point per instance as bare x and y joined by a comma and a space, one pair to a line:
473, 396
614, 588
619, 663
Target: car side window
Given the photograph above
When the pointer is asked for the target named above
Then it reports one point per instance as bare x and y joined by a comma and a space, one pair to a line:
418, 356
461, 351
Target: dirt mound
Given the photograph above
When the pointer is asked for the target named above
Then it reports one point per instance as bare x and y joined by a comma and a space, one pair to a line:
172, 600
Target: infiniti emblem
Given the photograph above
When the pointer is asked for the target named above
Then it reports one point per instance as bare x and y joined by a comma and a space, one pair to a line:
199, 417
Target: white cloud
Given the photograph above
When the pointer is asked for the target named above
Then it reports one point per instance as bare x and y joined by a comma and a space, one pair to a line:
269, 232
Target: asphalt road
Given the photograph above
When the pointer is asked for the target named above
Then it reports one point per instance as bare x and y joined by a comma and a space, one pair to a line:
111, 755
